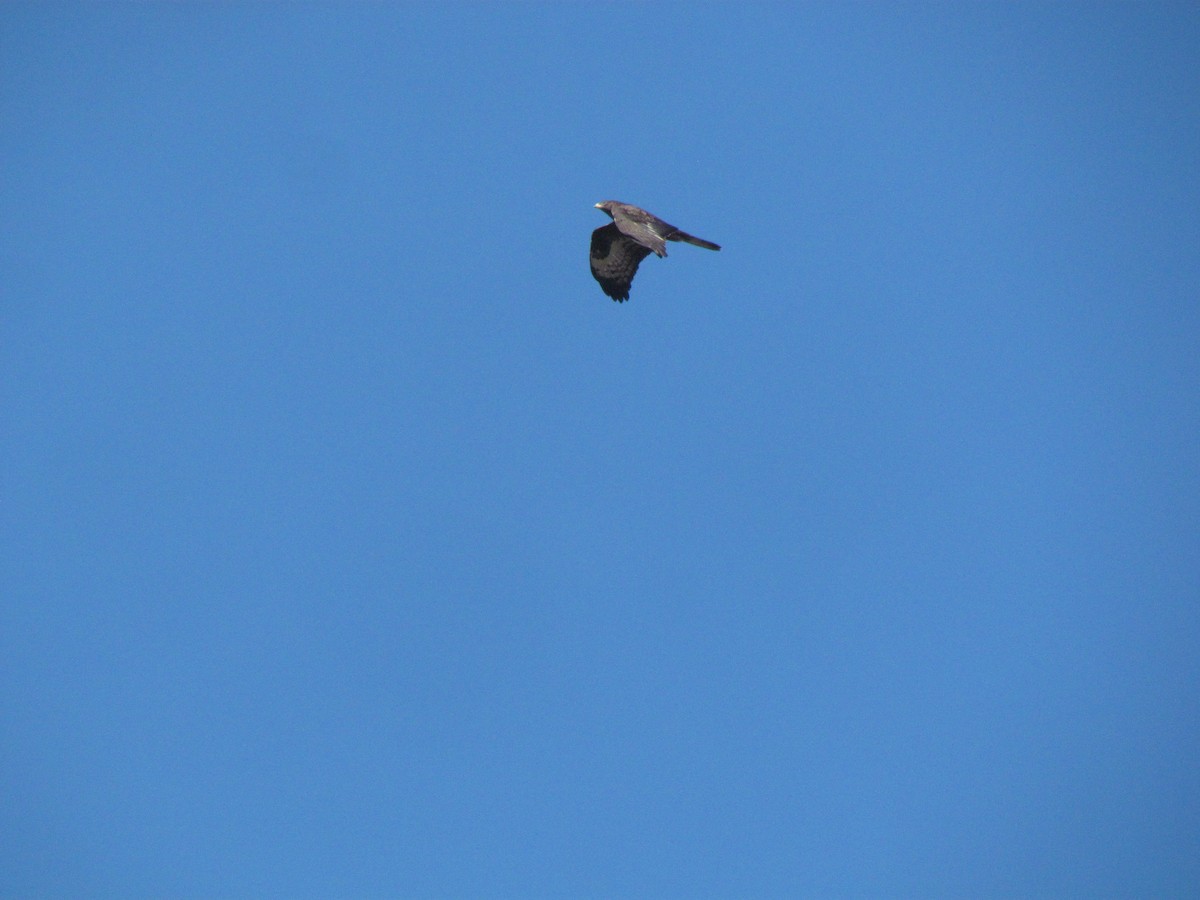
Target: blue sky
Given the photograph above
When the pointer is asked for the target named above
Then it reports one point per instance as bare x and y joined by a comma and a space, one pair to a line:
355, 544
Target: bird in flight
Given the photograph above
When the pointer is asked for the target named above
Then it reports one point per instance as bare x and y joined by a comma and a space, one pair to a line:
631, 236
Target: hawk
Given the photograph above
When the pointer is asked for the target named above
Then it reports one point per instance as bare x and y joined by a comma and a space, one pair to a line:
631, 236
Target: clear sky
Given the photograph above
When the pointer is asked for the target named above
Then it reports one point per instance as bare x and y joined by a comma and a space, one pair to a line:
355, 544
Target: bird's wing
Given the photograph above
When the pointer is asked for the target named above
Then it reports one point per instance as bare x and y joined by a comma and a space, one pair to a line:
643, 227
615, 259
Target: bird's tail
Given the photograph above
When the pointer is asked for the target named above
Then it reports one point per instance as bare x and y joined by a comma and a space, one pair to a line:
691, 239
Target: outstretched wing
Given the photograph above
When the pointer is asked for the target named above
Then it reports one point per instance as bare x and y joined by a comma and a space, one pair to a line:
615, 259
643, 227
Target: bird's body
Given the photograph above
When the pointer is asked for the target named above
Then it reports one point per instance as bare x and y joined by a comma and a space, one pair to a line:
619, 247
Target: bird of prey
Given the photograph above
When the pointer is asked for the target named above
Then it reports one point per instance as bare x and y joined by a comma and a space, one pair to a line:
631, 236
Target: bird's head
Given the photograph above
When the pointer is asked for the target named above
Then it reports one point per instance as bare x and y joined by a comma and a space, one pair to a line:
607, 207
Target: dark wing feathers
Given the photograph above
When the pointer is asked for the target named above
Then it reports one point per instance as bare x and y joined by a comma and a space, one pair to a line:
615, 258
648, 230
633, 235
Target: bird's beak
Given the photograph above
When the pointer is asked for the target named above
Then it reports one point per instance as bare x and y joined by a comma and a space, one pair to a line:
596, 205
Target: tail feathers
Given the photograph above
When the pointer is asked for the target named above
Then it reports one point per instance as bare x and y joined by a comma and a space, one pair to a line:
691, 239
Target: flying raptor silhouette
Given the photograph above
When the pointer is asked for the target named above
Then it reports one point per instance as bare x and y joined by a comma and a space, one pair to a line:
633, 234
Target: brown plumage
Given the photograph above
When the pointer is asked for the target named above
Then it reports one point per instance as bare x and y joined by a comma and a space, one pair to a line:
633, 234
